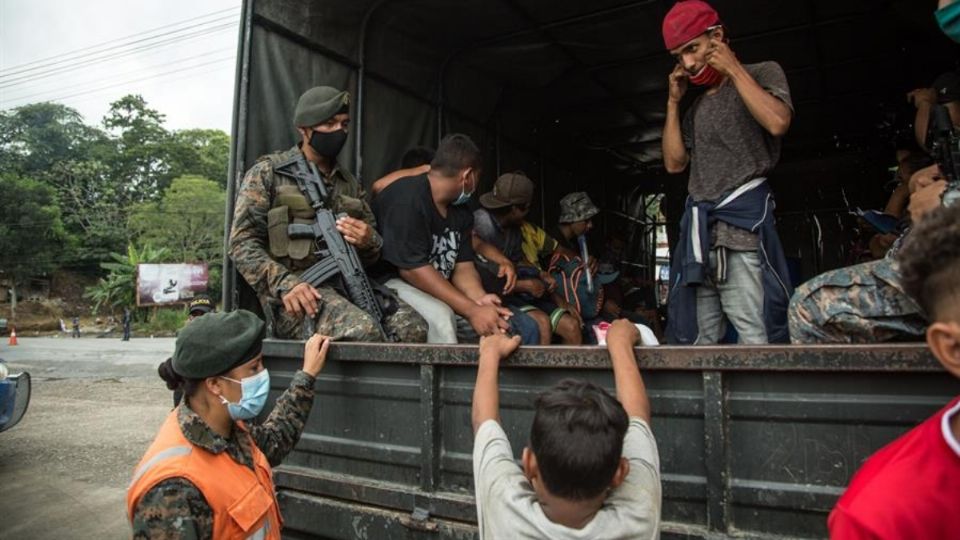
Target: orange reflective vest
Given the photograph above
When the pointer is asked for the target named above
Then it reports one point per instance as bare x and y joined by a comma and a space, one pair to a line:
243, 501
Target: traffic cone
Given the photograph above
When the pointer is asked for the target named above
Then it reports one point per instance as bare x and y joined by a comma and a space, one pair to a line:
13, 336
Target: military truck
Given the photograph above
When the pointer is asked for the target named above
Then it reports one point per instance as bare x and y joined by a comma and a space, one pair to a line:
754, 441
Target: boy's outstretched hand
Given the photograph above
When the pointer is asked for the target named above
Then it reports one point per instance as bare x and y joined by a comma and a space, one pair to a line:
622, 332
621, 338
498, 345
486, 393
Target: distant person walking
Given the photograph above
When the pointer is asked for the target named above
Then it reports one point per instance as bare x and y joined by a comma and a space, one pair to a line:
127, 319
76, 327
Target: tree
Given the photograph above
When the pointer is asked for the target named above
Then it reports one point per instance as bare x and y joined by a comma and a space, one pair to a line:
35, 137
200, 152
31, 233
187, 222
119, 288
139, 163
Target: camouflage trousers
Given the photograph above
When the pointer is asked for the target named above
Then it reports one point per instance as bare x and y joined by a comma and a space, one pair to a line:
864, 303
338, 318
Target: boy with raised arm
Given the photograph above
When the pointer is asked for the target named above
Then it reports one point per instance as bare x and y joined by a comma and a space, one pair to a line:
591, 470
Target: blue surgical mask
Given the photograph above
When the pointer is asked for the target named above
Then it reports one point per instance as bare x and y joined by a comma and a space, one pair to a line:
463, 198
253, 396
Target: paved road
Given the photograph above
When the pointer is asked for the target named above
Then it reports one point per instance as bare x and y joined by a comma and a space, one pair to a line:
96, 405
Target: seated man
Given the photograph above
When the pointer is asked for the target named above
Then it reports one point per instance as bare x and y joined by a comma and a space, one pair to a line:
910, 488
427, 251
499, 224
271, 261
592, 468
866, 303
415, 162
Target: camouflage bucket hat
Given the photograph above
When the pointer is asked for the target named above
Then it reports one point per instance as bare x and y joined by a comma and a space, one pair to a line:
577, 207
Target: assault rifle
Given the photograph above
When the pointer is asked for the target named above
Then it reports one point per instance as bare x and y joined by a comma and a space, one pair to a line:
946, 151
336, 256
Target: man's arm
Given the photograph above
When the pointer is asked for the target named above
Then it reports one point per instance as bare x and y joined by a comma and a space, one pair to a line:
248, 238
429, 280
384, 183
466, 278
631, 392
675, 157
494, 255
486, 393
768, 110
924, 99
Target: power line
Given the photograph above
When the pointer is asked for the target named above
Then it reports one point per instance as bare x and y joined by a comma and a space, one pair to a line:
61, 58
113, 56
124, 83
33, 96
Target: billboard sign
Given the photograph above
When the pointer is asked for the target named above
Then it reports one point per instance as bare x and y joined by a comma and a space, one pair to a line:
163, 284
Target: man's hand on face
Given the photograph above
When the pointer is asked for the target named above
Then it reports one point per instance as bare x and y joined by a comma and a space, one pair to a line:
355, 231
301, 299
922, 96
678, 82
721, 57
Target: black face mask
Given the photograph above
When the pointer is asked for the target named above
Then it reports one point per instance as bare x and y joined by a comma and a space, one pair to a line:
329, 144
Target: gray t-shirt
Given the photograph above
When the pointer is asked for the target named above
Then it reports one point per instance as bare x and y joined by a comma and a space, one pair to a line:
728, 147
507, 506
509, 241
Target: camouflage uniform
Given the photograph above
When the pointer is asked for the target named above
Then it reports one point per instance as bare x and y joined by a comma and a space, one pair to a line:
864, 303
175, 508
271, 277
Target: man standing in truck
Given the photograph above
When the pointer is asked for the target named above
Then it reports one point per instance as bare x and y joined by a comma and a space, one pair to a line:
728, 263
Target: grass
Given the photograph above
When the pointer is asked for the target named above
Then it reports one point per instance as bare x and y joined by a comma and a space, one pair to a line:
164, 321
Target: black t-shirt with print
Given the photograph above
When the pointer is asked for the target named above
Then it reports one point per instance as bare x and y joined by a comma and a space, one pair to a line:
415, 234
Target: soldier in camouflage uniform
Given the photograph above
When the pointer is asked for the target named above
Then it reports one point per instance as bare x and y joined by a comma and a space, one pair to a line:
169, 505
271, 262
866, 303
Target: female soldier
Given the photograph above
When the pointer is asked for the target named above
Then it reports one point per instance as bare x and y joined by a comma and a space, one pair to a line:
208, 473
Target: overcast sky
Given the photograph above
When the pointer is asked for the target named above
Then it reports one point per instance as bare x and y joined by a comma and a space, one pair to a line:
180, 55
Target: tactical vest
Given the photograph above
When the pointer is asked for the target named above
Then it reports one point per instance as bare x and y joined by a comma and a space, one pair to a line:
290, 206
242, 499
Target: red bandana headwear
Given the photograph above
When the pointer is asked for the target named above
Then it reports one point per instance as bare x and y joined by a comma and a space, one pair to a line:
686, 20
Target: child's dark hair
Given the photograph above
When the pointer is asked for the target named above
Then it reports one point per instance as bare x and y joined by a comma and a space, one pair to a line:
930, 261
417, 156
175, 382
577, 438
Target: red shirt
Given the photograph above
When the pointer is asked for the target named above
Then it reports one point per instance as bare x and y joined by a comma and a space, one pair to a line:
908, 489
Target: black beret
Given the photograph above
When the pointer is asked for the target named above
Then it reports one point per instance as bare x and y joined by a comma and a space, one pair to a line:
318, 104
216, 343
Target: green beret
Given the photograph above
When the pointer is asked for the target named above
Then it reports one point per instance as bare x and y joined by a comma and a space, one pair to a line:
318, 104
217, 342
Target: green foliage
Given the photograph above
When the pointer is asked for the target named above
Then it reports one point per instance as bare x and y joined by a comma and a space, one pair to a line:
35, 137
119, 288
187, 221
102, 175
141, 140
31, 232
199, 152
165, 321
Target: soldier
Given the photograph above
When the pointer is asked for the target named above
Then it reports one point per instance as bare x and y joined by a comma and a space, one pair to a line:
271, 261
200, 305
207, 465
866, 303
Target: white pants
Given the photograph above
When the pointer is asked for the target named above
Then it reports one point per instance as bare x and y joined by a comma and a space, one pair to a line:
443, 324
